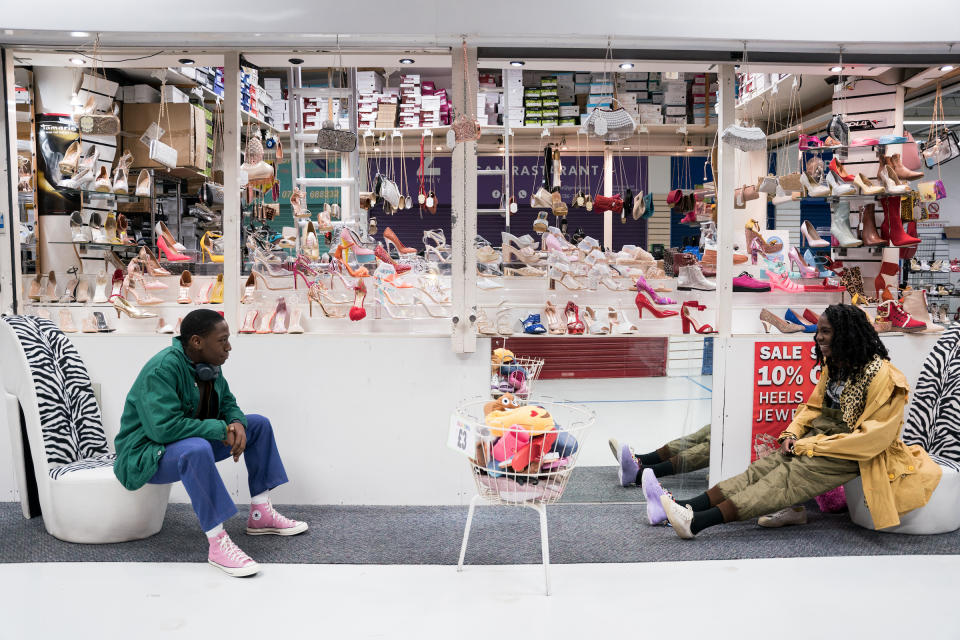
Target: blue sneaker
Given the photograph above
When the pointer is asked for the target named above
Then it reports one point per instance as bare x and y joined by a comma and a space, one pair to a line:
885, 140
652, 491
629, 467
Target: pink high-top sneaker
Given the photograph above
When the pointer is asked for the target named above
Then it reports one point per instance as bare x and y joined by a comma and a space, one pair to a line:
264, 519
228, 557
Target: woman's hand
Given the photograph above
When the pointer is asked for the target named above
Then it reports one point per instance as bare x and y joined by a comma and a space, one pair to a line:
786, 447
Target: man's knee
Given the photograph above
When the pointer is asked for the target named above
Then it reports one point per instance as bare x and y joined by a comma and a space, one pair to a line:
196, 451
257, 424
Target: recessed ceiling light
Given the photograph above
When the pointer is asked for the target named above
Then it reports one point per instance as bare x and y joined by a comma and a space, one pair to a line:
186, 61
79, 34
836, 69
295, 60
626, 148
947, 67
626, 65
517, 63
78, 61
689, 149
407, 60
439, 148
257, 35
563, 148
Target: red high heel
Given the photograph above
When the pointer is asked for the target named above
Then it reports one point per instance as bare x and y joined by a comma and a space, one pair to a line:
383, 256
688, 320
892, 227
357, 312
171, 254
644, 302
302, 268
117, 284
838, 169
574, 324
810, 316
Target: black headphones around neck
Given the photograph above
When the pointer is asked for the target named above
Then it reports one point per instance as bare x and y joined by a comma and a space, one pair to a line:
206, 372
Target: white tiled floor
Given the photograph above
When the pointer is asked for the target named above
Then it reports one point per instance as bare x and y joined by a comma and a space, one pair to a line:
862, 597
644, 412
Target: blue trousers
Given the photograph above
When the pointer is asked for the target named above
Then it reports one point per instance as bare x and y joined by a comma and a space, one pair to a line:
193, 462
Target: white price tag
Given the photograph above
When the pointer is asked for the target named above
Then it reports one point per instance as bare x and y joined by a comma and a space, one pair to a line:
461, 437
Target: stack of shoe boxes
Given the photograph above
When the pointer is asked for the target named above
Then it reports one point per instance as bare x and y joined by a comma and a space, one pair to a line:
411, 98
387, 110
601, 93
435, 106
569, 111
675, 101
542, 103
489, 100
704, 97
280, 109
513, 88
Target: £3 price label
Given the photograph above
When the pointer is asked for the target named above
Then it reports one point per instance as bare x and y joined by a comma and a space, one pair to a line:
461, 437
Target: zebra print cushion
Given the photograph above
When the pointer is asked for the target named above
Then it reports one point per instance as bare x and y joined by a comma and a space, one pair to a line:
69, 414
105, 460
934, 420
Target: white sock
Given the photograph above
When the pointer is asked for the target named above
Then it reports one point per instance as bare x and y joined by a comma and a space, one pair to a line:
262, 498
213, 533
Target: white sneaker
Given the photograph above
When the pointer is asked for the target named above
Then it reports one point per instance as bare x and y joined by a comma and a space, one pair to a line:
784, 517
680, 517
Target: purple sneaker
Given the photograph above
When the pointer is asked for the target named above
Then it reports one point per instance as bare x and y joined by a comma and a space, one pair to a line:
629, 467
652, 490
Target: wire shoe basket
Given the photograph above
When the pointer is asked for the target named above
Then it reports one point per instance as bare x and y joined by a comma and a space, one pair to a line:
515, 376
521, 453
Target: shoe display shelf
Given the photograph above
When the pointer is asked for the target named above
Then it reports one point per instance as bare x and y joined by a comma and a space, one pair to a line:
508, 463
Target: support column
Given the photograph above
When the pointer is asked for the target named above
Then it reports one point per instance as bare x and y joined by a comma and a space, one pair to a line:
725, 231
10, 287
463, 223
231, 189
608, 191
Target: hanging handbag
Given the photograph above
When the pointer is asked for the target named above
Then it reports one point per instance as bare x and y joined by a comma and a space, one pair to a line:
465, 128
908, 204
790, 182
767, 184
910, 153
159, 151
610, 125
942, 144
838, 129
332, 139
744, 138
674, 196
608, 203
211, 194
932, 190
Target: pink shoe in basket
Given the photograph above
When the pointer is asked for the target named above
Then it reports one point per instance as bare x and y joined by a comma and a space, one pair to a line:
264, 520
229, 558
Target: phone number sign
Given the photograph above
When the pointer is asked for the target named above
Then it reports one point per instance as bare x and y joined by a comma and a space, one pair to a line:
785, 373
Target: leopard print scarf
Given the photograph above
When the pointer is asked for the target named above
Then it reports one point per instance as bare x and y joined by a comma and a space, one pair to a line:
853, 398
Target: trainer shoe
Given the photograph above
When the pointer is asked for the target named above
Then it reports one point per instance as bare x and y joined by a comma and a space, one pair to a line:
264, 519
629, 467
680, 517
652, 491
614, 448
784, 517
225, 555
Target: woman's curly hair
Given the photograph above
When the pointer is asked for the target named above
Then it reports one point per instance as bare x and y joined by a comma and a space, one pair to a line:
854, 343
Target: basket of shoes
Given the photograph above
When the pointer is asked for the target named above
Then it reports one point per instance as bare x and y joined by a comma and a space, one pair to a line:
520, 452
513, 374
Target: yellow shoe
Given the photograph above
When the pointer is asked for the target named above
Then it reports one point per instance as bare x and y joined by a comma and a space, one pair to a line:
216, 294
211, 244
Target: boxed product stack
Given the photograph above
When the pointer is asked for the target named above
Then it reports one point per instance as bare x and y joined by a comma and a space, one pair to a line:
368, 109
280, 108
140, 94
430, 106
542, 103
369, 82
569, 111
704, 96
674, 101
387, 112
513, 89
600, 96
411, 98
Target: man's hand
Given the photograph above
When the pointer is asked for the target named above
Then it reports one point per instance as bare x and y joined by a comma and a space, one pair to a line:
786, 447
239, 439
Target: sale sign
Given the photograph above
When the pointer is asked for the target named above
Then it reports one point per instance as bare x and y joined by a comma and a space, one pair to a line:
785, 374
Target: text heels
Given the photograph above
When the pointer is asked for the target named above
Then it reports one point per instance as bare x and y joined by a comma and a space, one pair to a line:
643, 301
357, 312
691, 317
575, 326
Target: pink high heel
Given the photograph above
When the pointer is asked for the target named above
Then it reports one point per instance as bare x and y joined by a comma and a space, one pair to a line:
302, 268
171, 254
281, 317
755, 250
806, 271
349, 240
642, 285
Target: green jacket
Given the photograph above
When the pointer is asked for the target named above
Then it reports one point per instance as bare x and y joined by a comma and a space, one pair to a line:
160, 409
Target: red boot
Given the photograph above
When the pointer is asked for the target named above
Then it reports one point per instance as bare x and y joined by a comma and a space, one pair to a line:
892, 227
893, 312
908, 252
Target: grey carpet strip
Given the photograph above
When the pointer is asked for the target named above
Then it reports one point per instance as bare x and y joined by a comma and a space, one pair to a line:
614, 531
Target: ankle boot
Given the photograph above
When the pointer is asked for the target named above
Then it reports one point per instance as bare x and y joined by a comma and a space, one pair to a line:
691, 277
886, 280
852, 281
909, 251
892, 228
869, 234
893, 312
902, 172
840, 226
915, 303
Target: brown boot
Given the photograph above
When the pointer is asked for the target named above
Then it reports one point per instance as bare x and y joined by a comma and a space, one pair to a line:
902, 172
870, 235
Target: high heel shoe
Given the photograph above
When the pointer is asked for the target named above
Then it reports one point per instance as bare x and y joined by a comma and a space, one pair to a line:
36, 291
891, 183
250, 322
690, 317
295, 326
554, 325
121, 304
144, 184
71, 159
383, 256
596, 326
102, 182
752, 232
574, 324
172, 255
97, 233
280, 319
806, 271
100, 289
892, 227
643, 285
767, 319
50, 293
818, 262
391, 239
619, 325
101, 322
866, 186
431, 311
130, 283
484, 326
186, 283
900, 170
814, 190
837, 169
164, 232
512, 253
216, 295
520, 243
151, 264
838, 187
163, 327
783, 282
643, 301
565, 280
310, 246
852, 281
83, 290
70, 289
66, 321
436, 239
88, 324
337, 264
809, 233
357, 312
811, 317
316, 293
110, 226
794, 317
210, 244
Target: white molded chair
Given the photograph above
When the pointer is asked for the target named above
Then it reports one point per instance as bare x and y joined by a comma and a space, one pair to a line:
64, 470
940, 515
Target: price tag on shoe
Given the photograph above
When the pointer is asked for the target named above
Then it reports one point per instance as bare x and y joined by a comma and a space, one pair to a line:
461, 437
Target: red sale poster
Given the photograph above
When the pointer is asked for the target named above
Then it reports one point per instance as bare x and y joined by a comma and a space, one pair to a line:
784, 375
